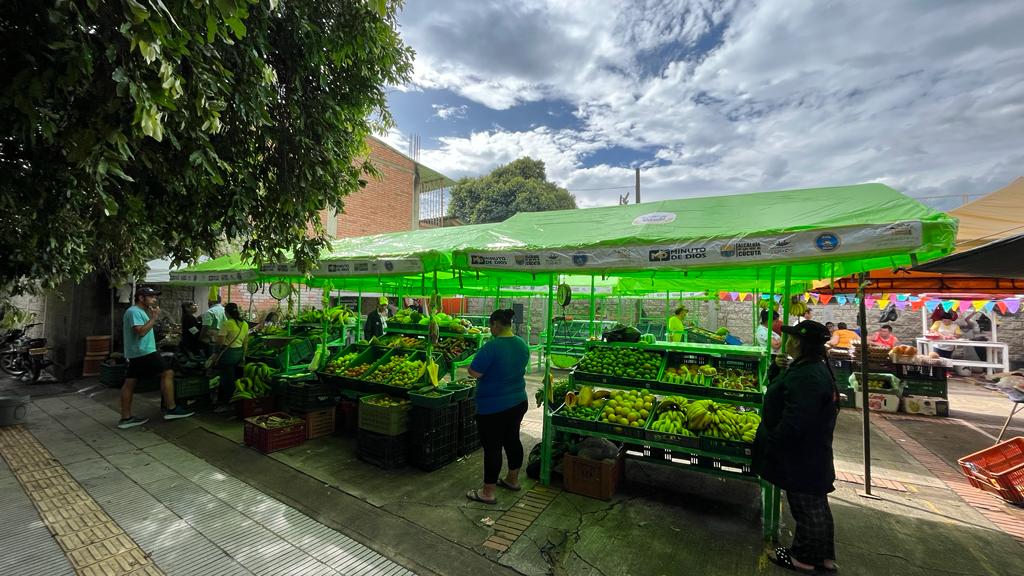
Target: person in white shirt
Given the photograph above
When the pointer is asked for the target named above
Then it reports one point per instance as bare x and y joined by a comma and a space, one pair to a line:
213, 319
762, 332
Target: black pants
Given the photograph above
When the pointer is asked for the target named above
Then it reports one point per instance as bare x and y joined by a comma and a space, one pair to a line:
814, 536
497, 431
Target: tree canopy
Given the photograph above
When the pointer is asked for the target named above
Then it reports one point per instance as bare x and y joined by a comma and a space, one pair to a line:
136, 129
520, 186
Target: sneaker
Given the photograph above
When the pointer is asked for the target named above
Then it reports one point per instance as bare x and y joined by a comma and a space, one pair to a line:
131, 422
177, 412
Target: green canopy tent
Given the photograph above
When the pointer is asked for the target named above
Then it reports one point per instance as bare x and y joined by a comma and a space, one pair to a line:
736, 240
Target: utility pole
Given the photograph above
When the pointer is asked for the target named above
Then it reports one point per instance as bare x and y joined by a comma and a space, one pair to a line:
637, 185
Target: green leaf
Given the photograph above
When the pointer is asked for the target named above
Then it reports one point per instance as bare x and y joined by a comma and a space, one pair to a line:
236, 26
137, 13
211, 26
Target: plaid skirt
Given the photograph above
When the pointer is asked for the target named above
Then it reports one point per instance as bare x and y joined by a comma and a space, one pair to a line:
814, 536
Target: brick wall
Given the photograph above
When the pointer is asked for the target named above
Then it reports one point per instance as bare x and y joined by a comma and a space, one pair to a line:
385, 205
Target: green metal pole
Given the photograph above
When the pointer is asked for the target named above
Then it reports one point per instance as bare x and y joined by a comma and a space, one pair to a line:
593, 306
547, 433
785, 304
359, 315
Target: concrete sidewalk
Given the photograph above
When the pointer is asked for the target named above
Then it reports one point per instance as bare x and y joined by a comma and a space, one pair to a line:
186, 515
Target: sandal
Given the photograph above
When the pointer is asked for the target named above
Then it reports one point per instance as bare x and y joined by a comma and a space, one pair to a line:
475, 496
783, 558
507, 486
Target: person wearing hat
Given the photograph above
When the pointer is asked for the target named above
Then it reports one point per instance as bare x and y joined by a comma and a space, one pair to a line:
793, 446
377, 320
143, 359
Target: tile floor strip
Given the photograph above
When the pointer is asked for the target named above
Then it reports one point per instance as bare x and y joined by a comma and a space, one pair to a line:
92, 543
1000, 513
517, 519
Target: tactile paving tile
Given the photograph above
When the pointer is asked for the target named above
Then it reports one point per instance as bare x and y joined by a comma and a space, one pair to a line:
93, 543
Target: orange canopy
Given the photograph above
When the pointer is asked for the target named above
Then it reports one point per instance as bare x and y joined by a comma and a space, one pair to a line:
991, 217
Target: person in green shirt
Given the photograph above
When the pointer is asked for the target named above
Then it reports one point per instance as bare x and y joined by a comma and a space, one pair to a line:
676, 324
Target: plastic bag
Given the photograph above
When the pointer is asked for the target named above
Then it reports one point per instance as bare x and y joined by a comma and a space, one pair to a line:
620, 333
596, 449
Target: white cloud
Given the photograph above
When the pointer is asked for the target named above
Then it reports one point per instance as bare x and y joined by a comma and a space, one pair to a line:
925, 96
447, 112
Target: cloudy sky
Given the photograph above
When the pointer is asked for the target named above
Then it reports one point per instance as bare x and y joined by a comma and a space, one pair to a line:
712, 97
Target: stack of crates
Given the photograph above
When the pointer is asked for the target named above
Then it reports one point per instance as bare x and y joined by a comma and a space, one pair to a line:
468, 438
383, 438
433, 436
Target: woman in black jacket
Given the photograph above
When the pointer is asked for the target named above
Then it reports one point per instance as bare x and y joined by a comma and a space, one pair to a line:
793, 447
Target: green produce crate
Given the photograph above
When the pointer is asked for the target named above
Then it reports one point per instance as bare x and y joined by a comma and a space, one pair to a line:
558, 418
112, 374
636, 432
430, 398
933, 388
386, 420
191, 386
895, 385
667, 437
726, 447
459, 391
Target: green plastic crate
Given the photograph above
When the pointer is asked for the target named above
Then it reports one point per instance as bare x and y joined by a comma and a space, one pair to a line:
386, 420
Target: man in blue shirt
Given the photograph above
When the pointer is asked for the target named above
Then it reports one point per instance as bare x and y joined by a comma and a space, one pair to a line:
143, 358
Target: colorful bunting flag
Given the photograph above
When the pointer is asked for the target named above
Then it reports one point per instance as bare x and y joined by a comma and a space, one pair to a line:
825, 298
724, 296
931, 305
965, 305
734, 295
1002, 306
778, 297
868, 302
902, 304
744, 296
916, 305
989, 306
882, 304
978, 304
902, 297
841, 299
1013, 305
948, 305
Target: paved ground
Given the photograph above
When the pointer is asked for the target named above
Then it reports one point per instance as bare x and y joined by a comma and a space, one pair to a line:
662, 521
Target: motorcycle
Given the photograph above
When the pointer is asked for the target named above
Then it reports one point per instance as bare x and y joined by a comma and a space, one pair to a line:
23, 356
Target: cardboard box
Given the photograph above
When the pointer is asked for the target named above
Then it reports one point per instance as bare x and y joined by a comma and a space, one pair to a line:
594, 478
926, 405
879, 402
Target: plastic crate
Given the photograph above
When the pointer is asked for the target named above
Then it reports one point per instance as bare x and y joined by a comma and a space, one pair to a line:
382, 450
467, 409
562, 421
268, 440
319, 423
468, 438
311, 395
112, 374
421, 398
998, 469
254, 406
593, 478
346, 419
459, 391
429, 420
191, 386
895, 385
745, 364
921, 373
726, 447
933, 388
385, 420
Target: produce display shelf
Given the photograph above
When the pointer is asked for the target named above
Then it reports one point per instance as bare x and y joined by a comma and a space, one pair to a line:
682, 459
442, 334
748, 399
725, 457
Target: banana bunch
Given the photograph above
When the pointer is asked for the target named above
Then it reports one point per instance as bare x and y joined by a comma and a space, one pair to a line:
672, 422
797, 307
255, 382
701, 415
732, 425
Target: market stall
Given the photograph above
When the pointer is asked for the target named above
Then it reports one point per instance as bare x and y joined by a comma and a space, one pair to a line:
734, 242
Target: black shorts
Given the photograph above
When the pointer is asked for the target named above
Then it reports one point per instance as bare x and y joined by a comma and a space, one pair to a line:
144, 366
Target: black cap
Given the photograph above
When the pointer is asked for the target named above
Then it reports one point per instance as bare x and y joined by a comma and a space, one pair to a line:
809, 330
146, 291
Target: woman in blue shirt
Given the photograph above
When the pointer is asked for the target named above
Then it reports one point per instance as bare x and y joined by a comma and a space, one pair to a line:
501, 403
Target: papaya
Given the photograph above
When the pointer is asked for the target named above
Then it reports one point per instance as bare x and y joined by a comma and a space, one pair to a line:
586, 396
570, 399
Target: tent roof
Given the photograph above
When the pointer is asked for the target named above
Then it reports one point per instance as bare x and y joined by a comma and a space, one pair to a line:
1000, 259
997, 215
825, 231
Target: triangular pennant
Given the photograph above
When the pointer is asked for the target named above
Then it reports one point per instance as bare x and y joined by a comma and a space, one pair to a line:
724, 296
948, 305
902, 297
826, 298
916, 305
978, 304
989, 306
744, 296
1013, 305
734, 295
1002, 306
902, 304
882, 304
857, 301
841, 299
931, 305
965, 305
778, 297
869, 302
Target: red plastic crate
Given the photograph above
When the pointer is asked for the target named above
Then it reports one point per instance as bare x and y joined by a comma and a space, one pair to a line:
998, 469
319, 423
269, 440
255, 406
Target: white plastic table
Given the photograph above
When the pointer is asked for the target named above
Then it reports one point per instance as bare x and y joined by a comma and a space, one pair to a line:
997, 354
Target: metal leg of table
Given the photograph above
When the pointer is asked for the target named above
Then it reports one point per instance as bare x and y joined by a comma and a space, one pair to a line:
1013, 410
